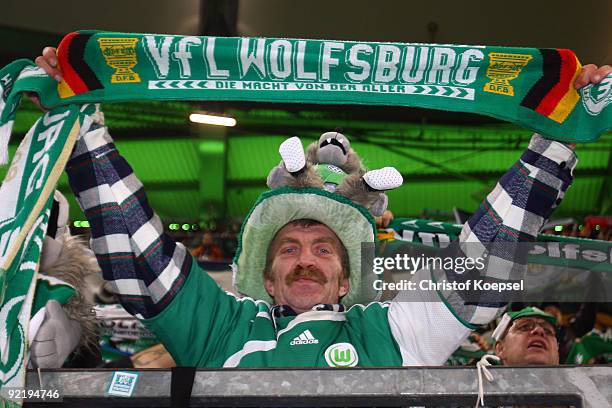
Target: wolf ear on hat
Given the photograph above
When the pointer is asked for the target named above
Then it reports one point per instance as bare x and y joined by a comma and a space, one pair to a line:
293, 170
331, 164
57, 230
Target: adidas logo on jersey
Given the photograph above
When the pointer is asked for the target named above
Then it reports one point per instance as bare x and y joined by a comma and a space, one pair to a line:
305, 338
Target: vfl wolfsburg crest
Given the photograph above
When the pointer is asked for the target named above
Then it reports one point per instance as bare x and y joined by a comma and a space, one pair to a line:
341, 355
596, 97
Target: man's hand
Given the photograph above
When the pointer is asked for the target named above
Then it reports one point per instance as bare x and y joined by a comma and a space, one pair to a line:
592, 74
57, 337
48, 62
384, 220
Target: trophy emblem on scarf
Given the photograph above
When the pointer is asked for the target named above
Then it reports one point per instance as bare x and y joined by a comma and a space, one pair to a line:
502, 69
120, 54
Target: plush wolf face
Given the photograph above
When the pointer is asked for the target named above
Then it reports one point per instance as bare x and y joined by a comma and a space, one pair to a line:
333, 148
332, 164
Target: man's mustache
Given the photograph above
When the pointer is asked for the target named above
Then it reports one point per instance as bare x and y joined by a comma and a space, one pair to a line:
311, 273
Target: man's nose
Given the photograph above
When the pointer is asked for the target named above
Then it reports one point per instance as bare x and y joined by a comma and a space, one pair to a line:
306, 258
538, 330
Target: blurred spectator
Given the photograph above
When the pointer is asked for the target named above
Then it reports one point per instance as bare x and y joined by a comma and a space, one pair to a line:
572, 327
595, 347
527, 337
208, 250
229, 241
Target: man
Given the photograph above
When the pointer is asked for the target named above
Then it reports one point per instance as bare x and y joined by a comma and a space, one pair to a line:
208, 250
526, 337
299, 250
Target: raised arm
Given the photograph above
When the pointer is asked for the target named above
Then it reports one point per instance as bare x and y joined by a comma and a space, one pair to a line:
155, 278
522, 201
143, 264
429, 328
428, 331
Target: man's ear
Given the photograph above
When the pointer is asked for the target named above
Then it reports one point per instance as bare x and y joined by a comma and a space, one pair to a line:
499, 349
344, 287
269, 285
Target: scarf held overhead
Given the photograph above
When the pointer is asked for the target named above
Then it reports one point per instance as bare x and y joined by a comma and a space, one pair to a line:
26, 195
527, 86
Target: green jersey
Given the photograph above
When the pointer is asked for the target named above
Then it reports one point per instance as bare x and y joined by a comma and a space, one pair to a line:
205, 326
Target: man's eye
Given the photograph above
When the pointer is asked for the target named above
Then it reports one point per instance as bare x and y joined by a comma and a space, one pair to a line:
325, 250
288, 250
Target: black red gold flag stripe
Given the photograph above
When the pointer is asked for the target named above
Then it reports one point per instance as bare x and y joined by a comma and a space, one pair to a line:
554, 95
78, 77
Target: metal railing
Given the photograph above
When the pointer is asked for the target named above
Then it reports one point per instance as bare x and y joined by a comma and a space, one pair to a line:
579, 386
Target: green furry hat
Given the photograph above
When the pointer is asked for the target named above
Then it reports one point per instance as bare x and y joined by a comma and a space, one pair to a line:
352, 223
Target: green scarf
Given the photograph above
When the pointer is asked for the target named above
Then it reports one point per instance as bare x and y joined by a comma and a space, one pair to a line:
26, 195
590, 346
551, 250
527, 86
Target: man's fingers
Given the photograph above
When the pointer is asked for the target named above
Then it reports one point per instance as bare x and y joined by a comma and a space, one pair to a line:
52, 72
387, 217
36, 100
48, 62
591, 74
50, 55
601, 73
584, 78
